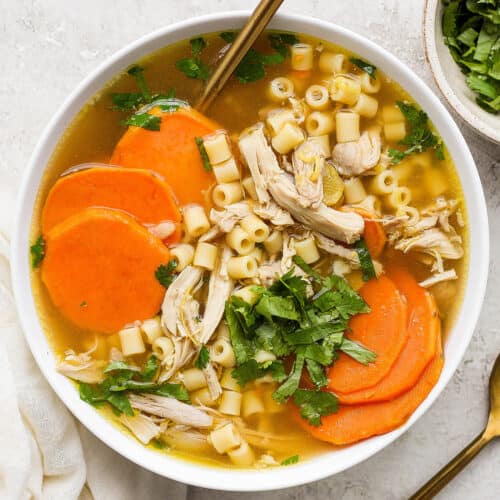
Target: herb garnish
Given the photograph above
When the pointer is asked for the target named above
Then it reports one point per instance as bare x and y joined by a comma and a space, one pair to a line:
420, 136
365, 66
194, 67
203, 358
122, 379
203, 153
288, 321
164, 273
290, 460
365, 260
37, 251
252, 66
129, 101
144, 120
471, 30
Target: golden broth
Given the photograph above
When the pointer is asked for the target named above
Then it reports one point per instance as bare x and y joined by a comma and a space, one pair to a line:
94, 132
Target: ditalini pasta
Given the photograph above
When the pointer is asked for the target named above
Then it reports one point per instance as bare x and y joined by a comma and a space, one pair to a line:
234, 284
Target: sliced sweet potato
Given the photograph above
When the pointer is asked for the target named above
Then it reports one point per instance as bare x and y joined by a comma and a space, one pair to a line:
383, 330
354, 423
99, 269
171, 151
423, 330
141, 193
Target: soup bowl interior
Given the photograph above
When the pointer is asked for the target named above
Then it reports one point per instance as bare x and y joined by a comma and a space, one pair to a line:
339, 458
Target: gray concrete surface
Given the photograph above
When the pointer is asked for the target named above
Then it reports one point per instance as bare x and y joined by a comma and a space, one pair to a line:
48, 46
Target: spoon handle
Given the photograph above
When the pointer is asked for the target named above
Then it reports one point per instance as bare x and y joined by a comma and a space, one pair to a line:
449, 471
259, 19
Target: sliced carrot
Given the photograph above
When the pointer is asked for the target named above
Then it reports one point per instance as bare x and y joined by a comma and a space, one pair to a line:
423, 329
141, 193
354, 423
373, 234
383, 330
99, 269
171, 151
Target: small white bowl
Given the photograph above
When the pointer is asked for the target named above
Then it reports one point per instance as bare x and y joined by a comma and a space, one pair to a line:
449, 78
338, 459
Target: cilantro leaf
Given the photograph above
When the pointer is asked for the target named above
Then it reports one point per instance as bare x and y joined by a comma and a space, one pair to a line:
229, 36
203, 358
316, 373
150, 369
290, 460
365, 66
357, 352
193, 68
37, 251
291, 384
203, 153
243, 348
315, 404
164, 273
120, 403
138, 73
280, 42
144, 120
365, 260
197, 45
280, 307
251, 370
126, 101
420, 136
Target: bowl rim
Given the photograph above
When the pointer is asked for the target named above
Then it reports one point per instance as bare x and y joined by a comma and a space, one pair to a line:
198, 474
430, 39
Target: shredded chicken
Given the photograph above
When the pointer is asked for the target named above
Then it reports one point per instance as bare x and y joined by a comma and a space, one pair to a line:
184, 352
226, 219
356, 157
219, 289
333, 248
274, 214
259, 156
439, 277
430, 241
287, 253
172, 409
82, 367
268, 271
141, 426
176, 296
212, 379
308, 163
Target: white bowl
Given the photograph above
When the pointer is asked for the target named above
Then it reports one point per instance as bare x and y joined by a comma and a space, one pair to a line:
449, 78
336, 460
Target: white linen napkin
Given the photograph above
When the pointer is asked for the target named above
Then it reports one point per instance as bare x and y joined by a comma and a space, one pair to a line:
44, 452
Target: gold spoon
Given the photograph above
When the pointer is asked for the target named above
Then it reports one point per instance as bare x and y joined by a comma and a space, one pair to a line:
492, 430
255, 25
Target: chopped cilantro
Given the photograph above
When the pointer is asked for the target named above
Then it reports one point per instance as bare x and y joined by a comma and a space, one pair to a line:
37, 251
251, 370
471, 30
121, 379
302, 317
365, 66
144, 120
290, 460
158, 443
164, 273
194, 67
203, 358
253, 65
203, 153
420, 136
365, 260
358, 352
315, 404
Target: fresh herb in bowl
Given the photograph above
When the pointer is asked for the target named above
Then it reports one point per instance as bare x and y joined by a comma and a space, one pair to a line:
471, 30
